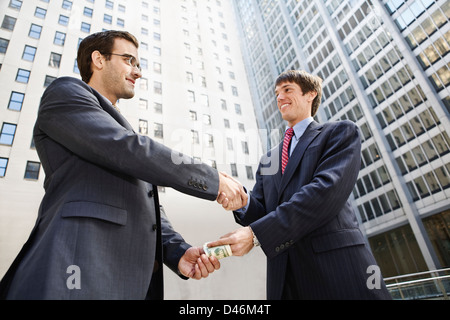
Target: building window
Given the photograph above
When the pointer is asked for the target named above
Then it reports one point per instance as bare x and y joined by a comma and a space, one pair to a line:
237, 108
3, 45
60, 38
3, 165
40, 13
230, 144
159, 130
8, 23
85, 27
75, 67
15, 4
48, 80
29, 53
32, 170
244, 147
55, 60
157, 87
249, 170
7, 133
109, 4
195, 137
67, 4
35, 31
63, 20
88, 12
144, 63
234, 172
191, 96
16, 101
143, 104
22, 75
143, 127
157, 107
107, 18
209, 138
157, 67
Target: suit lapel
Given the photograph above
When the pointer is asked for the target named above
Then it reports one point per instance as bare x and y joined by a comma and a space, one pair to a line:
311, 132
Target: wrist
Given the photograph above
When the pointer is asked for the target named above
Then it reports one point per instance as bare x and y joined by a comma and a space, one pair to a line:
255, 239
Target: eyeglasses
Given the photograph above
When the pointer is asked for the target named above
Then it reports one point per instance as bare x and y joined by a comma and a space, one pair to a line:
131, 60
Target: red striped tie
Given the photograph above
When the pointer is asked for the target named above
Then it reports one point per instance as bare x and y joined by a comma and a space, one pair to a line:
285, 154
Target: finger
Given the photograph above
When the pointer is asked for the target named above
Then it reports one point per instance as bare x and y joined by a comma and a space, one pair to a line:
222, 196
209, 266
197, 273
225, 174
220, 242
225, 203
203, 270
215, 262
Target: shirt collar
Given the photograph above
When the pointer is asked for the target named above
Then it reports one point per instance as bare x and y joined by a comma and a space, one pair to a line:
300, 127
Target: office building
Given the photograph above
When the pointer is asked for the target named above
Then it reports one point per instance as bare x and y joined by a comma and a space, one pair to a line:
193, 97
385, 66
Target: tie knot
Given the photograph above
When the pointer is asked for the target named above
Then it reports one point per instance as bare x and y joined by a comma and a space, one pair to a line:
290, 132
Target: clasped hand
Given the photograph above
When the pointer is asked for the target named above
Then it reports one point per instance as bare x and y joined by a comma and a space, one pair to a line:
196, 265
232, 195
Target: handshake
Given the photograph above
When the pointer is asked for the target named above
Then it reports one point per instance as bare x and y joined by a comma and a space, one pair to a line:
199, 262
232, 195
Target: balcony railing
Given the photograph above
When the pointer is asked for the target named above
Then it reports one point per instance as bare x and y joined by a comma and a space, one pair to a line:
426, 285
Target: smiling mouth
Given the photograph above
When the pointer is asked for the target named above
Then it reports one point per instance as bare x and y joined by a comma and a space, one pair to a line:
284, 106
132, 81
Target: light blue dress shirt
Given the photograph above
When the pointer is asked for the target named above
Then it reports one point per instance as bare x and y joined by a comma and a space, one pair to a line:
299, 130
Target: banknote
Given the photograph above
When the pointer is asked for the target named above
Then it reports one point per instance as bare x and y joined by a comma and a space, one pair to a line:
219, 252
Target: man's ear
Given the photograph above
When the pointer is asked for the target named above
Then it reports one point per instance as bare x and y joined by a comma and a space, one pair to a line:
312, 95
97, 60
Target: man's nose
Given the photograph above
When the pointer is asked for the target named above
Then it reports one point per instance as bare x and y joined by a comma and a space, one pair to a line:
137, 73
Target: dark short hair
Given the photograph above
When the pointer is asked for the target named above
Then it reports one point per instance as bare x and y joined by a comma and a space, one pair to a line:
307, 82
103, 42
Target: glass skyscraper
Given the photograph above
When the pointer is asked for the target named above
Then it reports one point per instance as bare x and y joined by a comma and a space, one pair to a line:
385, 66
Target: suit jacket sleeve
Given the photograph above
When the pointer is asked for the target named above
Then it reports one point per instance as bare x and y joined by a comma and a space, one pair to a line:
71, 114
173, 243
316, 202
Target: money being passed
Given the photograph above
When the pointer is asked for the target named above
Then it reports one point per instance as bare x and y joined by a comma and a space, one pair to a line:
219, 252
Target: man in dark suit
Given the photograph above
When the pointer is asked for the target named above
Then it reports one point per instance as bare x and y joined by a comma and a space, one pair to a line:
299, 210
101, 232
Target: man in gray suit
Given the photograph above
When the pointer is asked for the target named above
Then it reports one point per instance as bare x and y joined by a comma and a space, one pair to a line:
300, 213
101, 232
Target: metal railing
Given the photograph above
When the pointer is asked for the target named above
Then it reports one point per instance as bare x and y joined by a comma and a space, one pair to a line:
434, 284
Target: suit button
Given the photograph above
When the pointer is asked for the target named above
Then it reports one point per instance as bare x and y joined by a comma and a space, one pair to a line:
277, 249
154, 227
205, 187
151, 194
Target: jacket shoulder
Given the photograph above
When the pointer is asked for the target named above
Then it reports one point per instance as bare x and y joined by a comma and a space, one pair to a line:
67, 82
340, 124
65, 87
